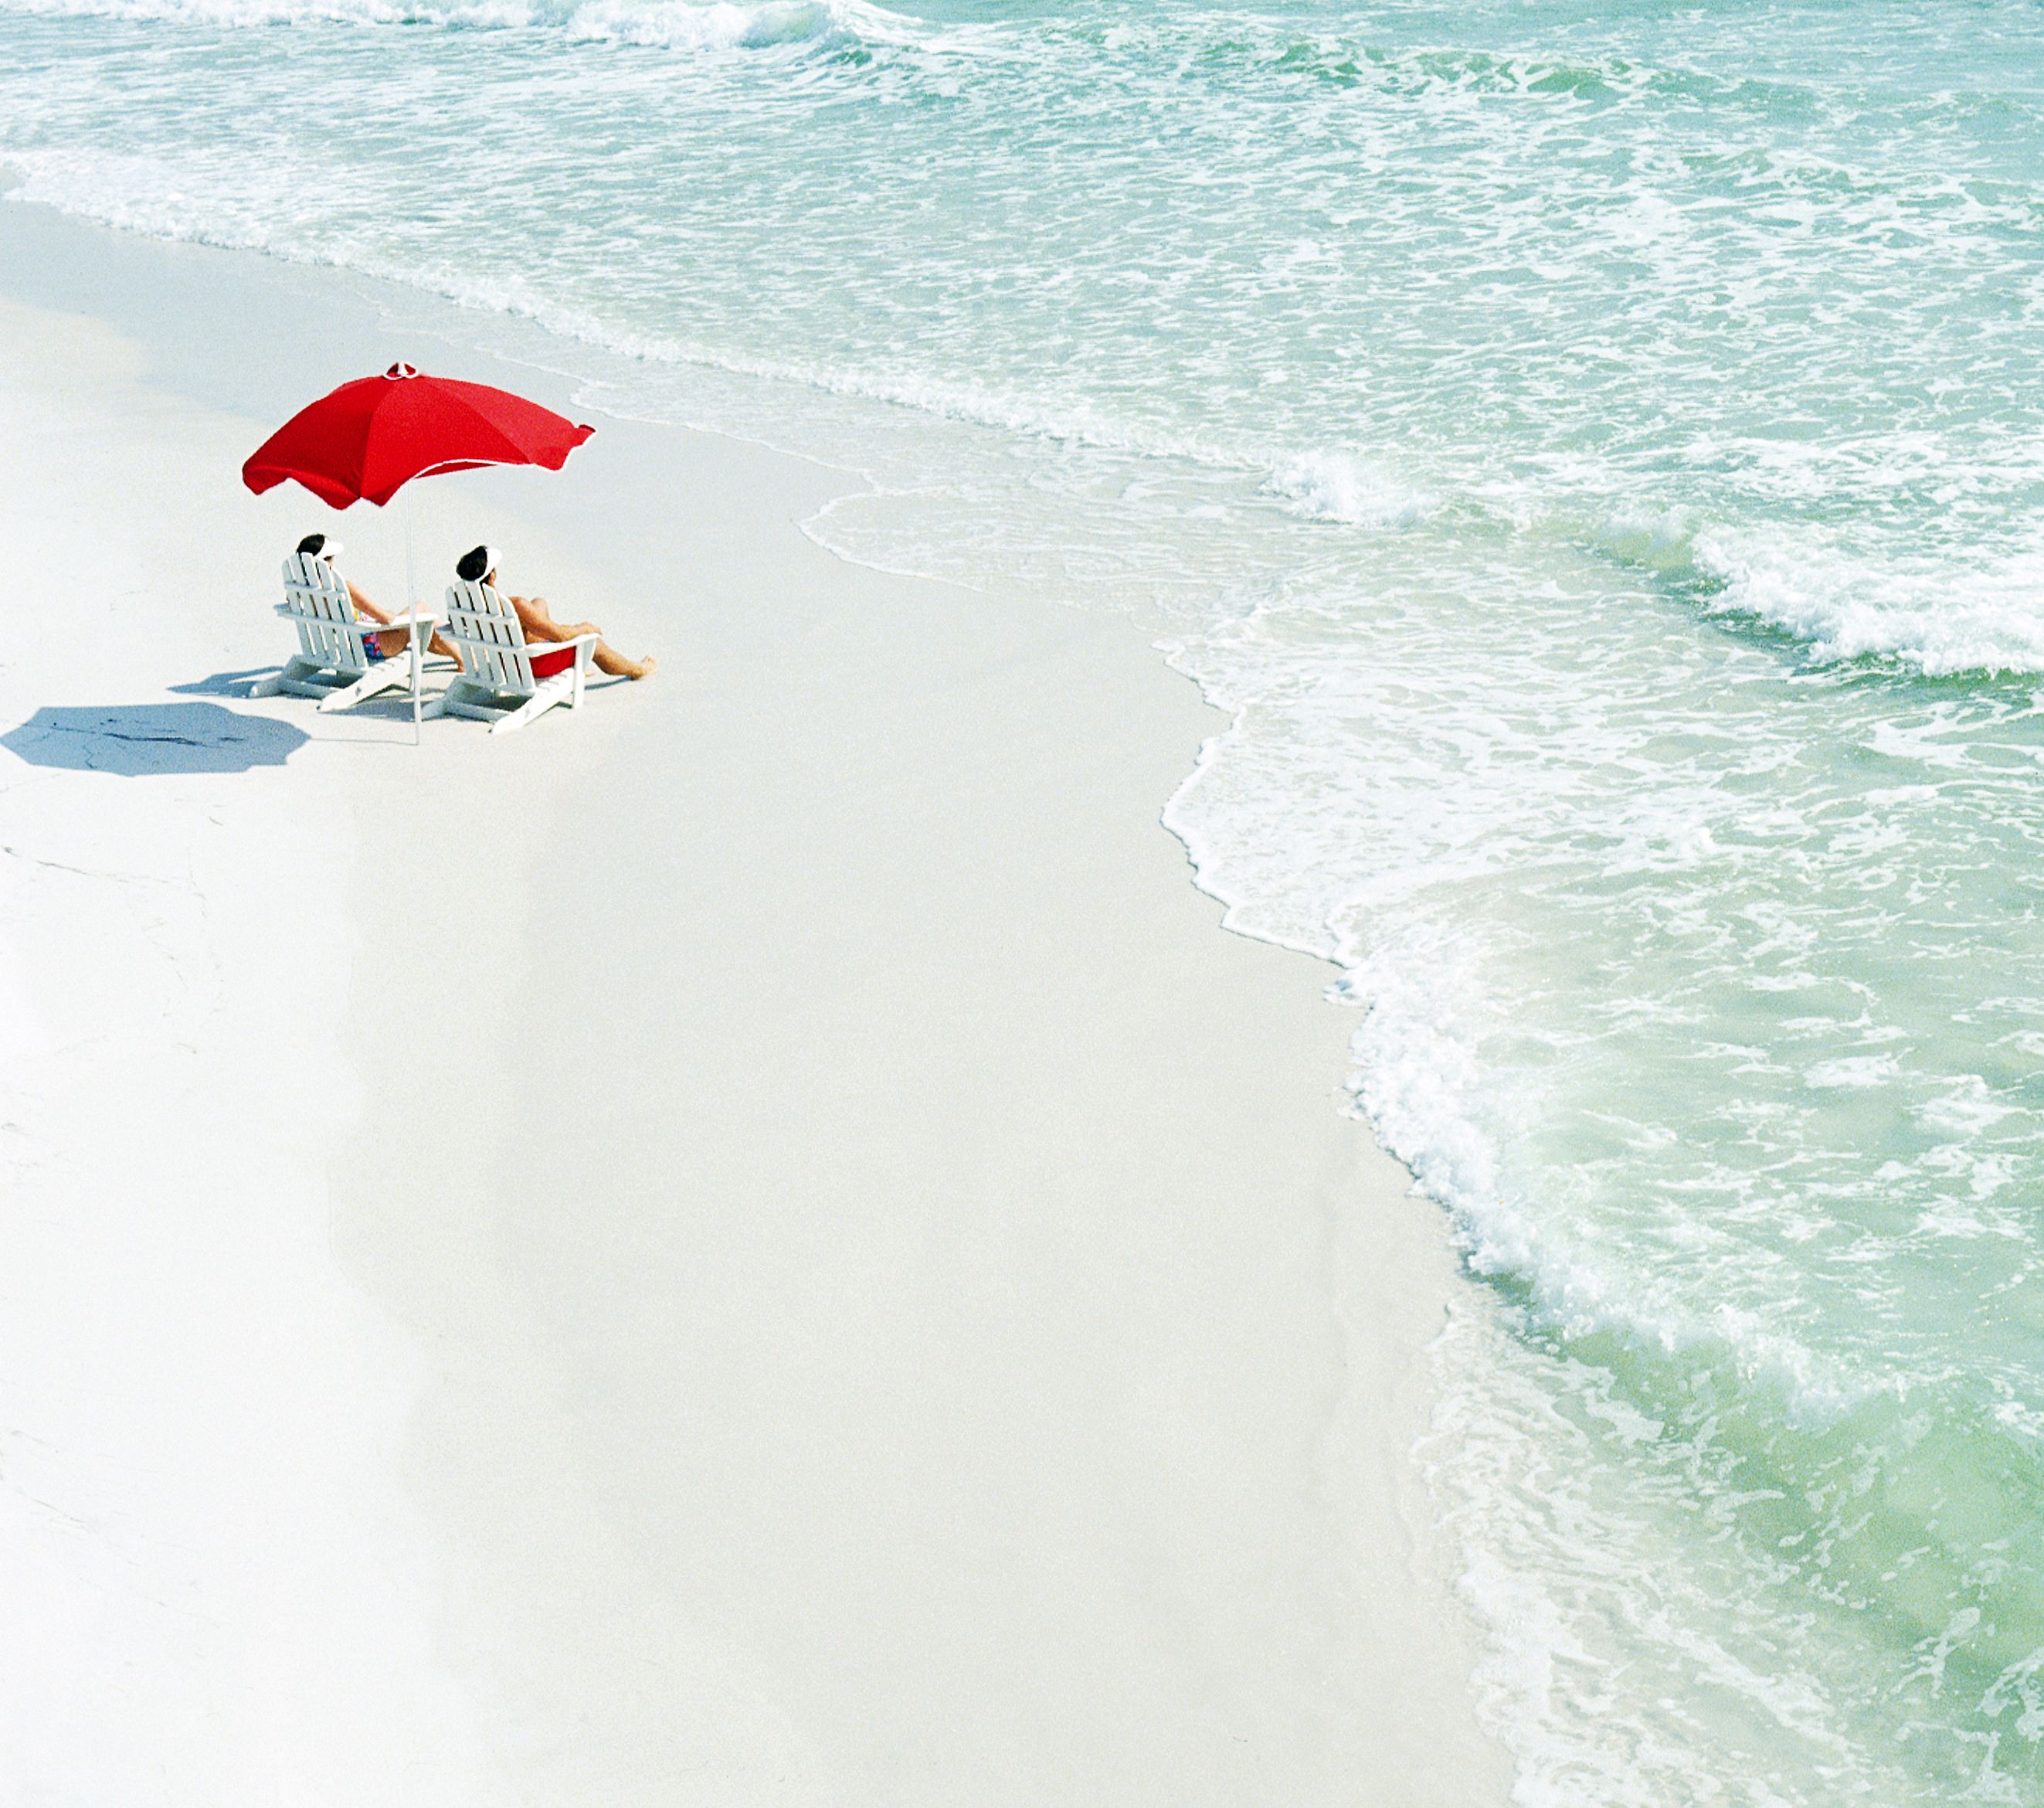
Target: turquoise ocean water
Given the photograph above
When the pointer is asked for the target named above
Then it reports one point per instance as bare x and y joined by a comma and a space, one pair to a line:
1596, 453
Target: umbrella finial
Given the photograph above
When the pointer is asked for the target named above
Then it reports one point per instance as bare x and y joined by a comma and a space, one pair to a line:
402, 369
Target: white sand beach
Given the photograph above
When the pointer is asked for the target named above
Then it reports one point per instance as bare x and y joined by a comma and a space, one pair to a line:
756, 1242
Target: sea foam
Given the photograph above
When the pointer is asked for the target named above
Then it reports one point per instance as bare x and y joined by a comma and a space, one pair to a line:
1341, 487
688, 25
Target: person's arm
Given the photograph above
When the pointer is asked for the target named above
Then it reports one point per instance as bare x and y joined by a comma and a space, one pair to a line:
363, 606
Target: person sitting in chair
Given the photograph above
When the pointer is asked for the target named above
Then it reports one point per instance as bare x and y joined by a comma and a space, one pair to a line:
377, 646
478, 566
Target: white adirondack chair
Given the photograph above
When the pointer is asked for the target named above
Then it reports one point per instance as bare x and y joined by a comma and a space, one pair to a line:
503, 681
331, 663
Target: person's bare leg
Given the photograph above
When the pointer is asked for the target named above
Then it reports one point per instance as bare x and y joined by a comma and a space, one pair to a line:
538, 621
393, 643
612, 663
390, 645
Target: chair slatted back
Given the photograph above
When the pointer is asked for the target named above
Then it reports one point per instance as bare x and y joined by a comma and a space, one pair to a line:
486, 629
316, 599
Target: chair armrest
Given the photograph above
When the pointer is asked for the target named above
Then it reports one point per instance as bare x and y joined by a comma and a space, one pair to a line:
584, 645
454, 633
361, 623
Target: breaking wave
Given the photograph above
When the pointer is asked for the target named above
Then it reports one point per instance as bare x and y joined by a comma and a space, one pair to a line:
1941, 613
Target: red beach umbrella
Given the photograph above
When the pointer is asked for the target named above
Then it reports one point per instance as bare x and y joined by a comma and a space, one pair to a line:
370, 438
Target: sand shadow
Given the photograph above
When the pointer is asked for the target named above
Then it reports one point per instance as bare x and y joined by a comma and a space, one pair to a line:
225, 683
139, 740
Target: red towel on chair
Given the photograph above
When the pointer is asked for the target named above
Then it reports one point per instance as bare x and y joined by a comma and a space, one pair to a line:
545, 665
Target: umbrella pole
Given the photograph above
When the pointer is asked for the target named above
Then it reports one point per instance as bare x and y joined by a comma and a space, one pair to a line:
411, 608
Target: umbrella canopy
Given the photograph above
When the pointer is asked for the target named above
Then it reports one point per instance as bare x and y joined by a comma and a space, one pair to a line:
371, 437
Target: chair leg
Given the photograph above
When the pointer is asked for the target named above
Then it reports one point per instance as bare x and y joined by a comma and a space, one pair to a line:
558, 689
514, 719
377, 679
449, 702
279, 682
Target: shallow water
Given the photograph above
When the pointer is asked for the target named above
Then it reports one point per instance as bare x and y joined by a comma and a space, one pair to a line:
1598, 454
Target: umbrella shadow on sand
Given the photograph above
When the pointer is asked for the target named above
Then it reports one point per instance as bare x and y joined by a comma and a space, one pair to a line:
140, 739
